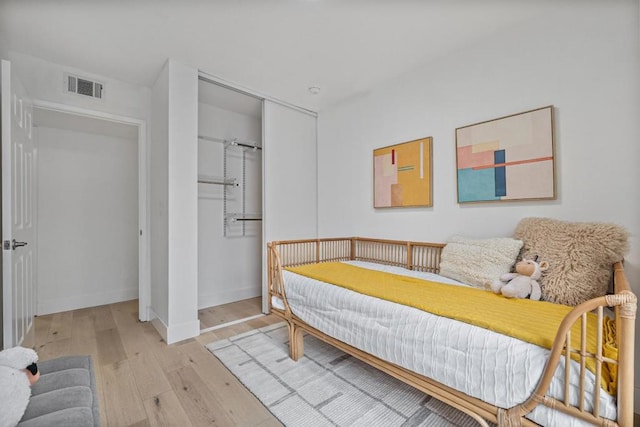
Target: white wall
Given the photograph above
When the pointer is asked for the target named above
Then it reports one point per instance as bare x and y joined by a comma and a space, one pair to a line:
87, 207
584, 60
174, 203
183, 202
45, 81
158, 200
3, 53
229, 268
3, 49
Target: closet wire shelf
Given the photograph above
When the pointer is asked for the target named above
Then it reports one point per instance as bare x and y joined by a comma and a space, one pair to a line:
232, 218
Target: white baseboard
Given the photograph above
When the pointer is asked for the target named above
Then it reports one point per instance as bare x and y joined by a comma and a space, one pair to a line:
213, 299
57, 305
182, 331
175, 333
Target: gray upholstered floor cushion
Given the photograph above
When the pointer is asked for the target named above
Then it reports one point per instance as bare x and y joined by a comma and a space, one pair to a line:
65, 394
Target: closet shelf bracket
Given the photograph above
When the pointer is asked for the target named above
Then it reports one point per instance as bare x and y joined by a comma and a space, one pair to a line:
218, 181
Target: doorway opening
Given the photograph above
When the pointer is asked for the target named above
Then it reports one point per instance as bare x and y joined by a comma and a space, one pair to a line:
91, 205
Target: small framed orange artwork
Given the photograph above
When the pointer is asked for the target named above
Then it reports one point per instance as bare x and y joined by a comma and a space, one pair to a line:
402, 175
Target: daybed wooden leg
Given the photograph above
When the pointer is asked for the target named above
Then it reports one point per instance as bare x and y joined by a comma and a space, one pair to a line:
509, 417
296, 342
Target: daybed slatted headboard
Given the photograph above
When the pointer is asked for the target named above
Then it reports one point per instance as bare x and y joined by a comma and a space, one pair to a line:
412, 255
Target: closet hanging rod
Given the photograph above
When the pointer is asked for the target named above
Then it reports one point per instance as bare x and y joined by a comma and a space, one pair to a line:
234, 141
240, 144
207, 181
233, 217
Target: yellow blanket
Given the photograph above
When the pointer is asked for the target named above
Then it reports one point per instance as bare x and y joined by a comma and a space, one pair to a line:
535, 322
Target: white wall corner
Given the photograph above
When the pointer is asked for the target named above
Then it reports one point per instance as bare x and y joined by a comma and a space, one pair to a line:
160, 326
182, 331
158, 195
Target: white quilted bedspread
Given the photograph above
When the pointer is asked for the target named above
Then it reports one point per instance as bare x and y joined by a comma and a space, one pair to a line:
498, 369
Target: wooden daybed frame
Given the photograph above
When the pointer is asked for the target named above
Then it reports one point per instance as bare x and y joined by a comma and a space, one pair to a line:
426, 257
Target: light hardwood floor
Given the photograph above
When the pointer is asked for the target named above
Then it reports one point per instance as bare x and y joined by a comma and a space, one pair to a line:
144, 382
219, 314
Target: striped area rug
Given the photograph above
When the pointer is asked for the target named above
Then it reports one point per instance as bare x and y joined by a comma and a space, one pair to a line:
326, 387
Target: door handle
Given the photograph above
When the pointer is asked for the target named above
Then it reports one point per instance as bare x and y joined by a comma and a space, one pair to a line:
17, 244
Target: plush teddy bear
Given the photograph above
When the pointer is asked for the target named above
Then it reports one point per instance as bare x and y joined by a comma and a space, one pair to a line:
523, 283
18, 371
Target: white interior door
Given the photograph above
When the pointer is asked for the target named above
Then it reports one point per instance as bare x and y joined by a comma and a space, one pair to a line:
17, 209
290, 183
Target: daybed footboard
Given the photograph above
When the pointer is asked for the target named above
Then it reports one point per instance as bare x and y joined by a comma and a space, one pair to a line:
426, 257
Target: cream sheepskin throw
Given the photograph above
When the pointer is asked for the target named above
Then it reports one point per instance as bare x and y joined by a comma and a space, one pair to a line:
15, 389
478, 262
580, 255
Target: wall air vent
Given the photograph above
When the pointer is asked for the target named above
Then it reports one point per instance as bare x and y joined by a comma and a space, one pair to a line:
82, 86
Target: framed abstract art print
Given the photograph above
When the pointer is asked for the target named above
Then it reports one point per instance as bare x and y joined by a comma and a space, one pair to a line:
402, 175
509, 158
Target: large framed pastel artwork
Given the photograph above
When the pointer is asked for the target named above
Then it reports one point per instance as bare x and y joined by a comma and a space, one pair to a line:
402, 175
509, 158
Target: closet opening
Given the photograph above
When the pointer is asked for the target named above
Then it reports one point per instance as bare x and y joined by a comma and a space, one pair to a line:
229, 206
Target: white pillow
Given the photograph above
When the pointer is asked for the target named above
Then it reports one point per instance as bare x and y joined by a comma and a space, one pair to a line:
478, 262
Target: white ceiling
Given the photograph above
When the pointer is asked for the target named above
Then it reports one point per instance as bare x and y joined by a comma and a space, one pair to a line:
276, 47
